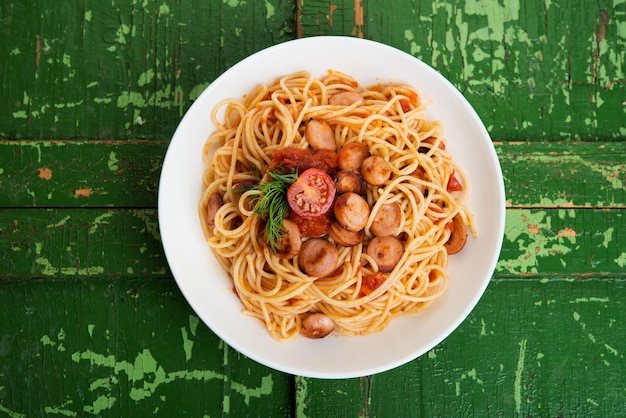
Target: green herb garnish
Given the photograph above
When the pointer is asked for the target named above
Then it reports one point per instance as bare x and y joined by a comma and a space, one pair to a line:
272, 204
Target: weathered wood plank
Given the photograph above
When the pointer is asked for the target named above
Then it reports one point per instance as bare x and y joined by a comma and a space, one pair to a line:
80, 173
93, 69
531, 69
551, 348
563, 242
74, 243
122, 347
564, 175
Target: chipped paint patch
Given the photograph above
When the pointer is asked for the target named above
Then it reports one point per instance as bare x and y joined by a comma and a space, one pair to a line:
62, 222
517, 385
60, 410
112, 162
45, 173
99, 221
621, 260
146, 375
590, 299
269, 10
83, 192
302, 392
187, 344
530, 230
10, 413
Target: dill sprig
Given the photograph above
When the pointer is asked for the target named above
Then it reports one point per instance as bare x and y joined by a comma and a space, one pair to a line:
272, 204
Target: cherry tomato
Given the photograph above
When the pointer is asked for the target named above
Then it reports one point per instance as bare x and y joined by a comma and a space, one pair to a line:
405, 105
371, 282
311, 227
453, 184
312, 195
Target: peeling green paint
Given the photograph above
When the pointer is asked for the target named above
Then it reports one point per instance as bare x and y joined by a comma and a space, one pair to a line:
62, 222
145, 78
99, 221
519, 370
151, 225
234, 3
527, 229
590, 299
60, 410
621, 260
301, 396
112, 162
102, 403
164, 9
10, 413
187, 344
269, 10
20, 114
146, 376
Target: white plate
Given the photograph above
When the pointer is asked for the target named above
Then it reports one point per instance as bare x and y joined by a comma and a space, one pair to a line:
208, 289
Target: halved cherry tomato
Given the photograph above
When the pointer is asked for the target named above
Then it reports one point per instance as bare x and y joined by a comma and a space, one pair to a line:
453, 184
311, 227
312, 195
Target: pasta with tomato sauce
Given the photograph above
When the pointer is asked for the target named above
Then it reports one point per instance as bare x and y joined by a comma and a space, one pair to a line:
333, 207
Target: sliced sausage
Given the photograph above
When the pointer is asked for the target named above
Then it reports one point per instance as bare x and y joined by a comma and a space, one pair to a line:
351, 211
386, 252
375, 170
344, 237
318, 257
345, 98
432, 141
458, 236
386, 221
215, 202
351, 156
290, 243
348, 181
320, 135
316, 325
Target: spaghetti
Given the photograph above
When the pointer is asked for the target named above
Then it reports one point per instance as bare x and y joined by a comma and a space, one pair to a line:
425, 184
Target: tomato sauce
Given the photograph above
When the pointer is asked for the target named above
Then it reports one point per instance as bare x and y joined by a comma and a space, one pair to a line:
287, 159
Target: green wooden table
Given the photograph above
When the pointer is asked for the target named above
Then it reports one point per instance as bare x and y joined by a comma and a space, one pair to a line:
91, 320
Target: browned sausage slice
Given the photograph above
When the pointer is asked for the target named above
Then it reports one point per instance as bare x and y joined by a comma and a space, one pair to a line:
316, 325
215, 202
291, 242
375, 170
458, 237
351, 156
318, 257
386, 252
351, 211
348, 181
345, 98
386, 221
344, 237
320, 135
